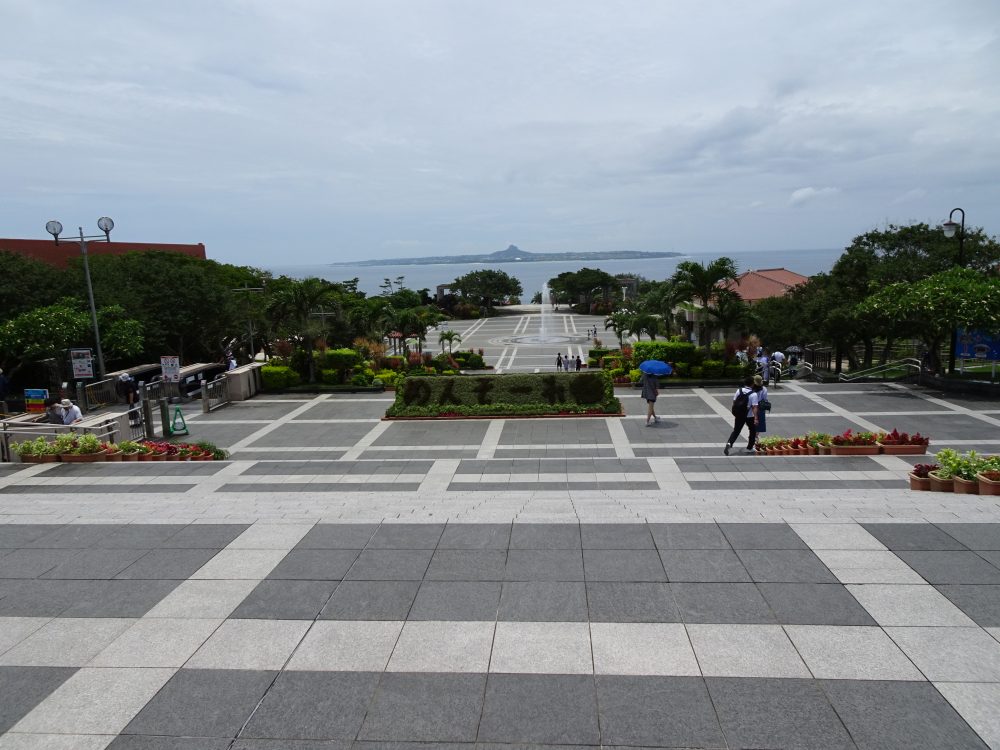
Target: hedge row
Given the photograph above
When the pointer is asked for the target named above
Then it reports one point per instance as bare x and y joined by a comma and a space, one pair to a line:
667, 351
535, 393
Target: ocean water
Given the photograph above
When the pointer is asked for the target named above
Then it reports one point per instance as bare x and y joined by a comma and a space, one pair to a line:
534, 275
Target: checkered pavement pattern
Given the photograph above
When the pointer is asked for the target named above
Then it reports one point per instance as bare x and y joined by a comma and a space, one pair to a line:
330, 635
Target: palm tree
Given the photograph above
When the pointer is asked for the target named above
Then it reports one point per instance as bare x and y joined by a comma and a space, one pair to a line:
701, 284
622, 323
645, 323
450, 336
729, 312
296, 308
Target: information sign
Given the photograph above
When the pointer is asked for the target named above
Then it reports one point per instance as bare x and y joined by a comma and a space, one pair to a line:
82, 361
977, 345
34, 399
171, 369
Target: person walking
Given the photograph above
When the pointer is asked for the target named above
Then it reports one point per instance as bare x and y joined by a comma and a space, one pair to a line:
559, 361
53, 411
744, 414
762, 366
763, 405
568, 363
650, 390
128, 389
579, 363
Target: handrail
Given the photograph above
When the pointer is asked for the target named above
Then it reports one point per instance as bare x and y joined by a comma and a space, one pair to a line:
908, 362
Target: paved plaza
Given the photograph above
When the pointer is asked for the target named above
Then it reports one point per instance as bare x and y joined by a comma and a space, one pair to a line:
347, 582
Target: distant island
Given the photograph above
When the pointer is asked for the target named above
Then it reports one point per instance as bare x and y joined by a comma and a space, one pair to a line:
512, 254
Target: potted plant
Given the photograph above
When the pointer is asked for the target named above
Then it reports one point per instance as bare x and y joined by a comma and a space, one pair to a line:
919, 479
897, 443
965, 471
130, 450
989, 476
215, 453
854, 444
86, 449
819, 442
156, 451
799, 446
112, 452
37, 451
942, 477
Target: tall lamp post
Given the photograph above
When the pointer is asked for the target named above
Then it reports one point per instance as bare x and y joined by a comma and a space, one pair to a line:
248, 288
105, 224
950, 229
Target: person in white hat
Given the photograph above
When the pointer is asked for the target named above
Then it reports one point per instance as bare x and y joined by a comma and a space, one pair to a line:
71, 412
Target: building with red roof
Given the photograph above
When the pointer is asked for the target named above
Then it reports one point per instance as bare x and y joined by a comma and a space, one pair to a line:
754, 286
59, 255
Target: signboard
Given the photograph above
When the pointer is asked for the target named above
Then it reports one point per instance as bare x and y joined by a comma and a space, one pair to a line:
977, 345
82, 361
34, 399
171, 369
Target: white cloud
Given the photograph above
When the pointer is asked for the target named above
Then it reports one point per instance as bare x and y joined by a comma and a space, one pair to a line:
806, 194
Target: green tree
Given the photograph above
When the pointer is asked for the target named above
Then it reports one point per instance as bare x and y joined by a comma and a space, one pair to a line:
729, 312
26, 283
575, 286
701, 284
42, 333
622, 323
487, 287
450, 337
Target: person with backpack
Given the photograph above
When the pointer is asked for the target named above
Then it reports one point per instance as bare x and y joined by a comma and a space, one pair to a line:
744, 413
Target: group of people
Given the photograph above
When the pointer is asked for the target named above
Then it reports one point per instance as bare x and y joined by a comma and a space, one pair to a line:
770, 365
62, 411
568, 363
750, 407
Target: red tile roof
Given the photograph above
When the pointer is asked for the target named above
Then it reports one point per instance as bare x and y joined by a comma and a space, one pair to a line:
767, 282
59, 255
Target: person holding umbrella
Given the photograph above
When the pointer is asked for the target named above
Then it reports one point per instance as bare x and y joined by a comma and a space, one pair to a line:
651, 369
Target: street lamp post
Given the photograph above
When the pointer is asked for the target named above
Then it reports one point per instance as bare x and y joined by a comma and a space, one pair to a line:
248, 288
105, 224
950, 229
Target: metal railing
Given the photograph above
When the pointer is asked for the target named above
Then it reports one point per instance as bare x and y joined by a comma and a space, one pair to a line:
15, 432
152, 392
101, 393
214, 394
910, 366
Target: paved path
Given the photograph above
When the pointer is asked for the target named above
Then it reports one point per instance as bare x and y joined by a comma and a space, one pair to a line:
345, 581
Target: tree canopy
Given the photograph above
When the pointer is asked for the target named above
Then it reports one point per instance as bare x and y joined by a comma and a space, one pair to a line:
487, 288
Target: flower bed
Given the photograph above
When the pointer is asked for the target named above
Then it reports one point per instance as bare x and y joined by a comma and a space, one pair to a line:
966, 473
547, 394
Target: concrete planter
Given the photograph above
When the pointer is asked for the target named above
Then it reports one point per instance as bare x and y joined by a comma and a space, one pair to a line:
988, 486
920, 484
941, 485
854, 450
965, 486
896, 449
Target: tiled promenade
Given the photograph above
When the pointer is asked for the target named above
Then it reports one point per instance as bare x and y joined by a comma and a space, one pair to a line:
351, 583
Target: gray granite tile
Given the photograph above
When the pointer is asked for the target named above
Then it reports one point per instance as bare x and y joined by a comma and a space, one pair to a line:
75, 536
785, 566
140, 536
176, 564
95, 564
543, 601
205, 536
658, 712
544, 565
120, 599
951, 567
32, 563
390, 565
898, 716
981, 603
13, 535
406, 536
978, 536
475, 536
23, 688
286, 600
150, 742
425, 707
456, 600
467, 565
557, 709
688, 536
314, 565
202, 703
912, 536
721, 603
337, 536
631, 602
776, 713
623, 565
707, 565
814, 604
37, 598
545, 536
314, 705
615, 536
762, 536
369, 600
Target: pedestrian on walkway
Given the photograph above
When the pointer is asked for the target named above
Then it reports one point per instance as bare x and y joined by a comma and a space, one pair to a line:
579, 363
650, 390
568, 363
763, 404
559, 361
71, 412
744, 413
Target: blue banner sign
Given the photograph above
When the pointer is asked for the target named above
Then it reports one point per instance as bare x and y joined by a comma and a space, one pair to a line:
977, 345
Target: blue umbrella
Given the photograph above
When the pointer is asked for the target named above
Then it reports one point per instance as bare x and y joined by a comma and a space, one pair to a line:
655, 367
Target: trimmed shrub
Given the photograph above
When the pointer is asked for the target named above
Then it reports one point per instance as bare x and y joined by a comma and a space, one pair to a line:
712, 368
598, 353
278, 378
555, 393
337, 359
735, 371
696, 372
682, 369
665, 351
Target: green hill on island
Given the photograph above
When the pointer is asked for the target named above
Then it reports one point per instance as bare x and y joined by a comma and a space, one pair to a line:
512, 254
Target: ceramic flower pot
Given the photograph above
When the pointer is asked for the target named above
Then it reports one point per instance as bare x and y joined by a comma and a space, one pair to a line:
130, 456
940, 485
988, 486
116, 456
824, 450
896, 449
82, 458
921, 484
854, 450
965, 486
44, 458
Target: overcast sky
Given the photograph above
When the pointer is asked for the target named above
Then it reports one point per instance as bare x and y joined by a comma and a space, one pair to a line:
307, 132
